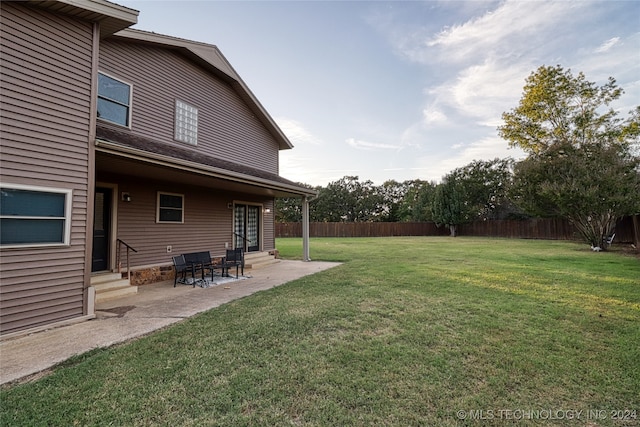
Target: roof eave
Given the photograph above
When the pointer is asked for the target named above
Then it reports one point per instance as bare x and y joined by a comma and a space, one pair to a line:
112, 17
109, 147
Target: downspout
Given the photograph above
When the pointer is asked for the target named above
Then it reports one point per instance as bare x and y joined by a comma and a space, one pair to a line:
305, 227
89, 292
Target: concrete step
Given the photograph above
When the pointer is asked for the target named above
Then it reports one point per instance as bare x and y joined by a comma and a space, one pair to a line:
110, 286
258, 259
105, 277
114, 293
113, 284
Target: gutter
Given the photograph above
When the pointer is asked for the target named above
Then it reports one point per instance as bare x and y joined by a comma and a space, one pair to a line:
108, 147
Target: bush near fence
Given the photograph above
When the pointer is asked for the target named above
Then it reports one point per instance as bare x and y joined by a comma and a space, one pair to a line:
538, 228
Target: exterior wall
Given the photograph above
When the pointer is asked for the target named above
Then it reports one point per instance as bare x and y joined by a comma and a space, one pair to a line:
227, 129
45, 86
208, 221
269, 225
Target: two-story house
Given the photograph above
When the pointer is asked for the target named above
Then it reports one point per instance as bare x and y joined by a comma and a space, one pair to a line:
113, 136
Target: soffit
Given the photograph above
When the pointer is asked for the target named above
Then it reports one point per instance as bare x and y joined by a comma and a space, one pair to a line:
112, 17
134, 155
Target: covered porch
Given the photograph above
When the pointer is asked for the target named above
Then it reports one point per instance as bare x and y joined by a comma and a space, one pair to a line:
162, 200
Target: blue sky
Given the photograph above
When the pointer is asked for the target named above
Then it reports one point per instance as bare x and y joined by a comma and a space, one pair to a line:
404, 89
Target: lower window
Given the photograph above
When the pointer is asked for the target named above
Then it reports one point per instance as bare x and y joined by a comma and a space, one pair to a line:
170, 207
34, 216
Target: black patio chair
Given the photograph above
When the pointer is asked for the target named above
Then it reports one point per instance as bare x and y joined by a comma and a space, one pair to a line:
181, 269
206, 264
194, 264
233, 258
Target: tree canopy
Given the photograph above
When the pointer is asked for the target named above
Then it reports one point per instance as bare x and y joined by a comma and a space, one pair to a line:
581, 162
557, 107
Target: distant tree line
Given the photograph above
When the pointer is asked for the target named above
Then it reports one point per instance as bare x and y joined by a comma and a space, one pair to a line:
583, 164
476, 191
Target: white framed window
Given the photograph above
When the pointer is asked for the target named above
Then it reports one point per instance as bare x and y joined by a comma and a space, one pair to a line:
114, 100
186, 125
34, 216
170, 208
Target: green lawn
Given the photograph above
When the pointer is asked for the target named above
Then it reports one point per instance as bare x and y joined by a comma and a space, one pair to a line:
408, 331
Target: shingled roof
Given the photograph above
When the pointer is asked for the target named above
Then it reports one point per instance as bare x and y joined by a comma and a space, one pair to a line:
151, 150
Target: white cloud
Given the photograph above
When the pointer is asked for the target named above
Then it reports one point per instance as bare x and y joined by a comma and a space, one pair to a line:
304, 168
498, 30
487, 148
487, 90
433, 116
366, 145
606, 46
296, 132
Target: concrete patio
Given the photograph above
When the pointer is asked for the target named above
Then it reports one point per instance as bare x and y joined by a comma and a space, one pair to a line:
154, 307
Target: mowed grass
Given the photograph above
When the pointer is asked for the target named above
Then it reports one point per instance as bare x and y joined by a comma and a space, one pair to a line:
408, 331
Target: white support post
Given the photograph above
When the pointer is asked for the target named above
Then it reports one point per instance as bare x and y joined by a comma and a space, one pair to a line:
305, 229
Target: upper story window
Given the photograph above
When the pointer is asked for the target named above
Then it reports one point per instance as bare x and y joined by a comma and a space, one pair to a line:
114, 100
34, 216
186, 127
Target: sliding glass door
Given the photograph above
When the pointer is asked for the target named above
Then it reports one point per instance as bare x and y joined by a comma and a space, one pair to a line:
246, 227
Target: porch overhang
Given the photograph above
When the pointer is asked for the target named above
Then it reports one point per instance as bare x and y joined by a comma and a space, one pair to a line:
116, 153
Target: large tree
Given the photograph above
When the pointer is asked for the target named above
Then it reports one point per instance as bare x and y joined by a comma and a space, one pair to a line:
583, 163
558, 107
417, 200
348, 200
592, 186
486, 183
450, 205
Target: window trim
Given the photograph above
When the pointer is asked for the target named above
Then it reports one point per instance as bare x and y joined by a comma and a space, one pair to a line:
68, 205
129, 107
186, 140
158, 207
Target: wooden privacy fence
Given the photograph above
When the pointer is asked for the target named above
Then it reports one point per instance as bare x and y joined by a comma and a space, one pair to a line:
552, 229
360, 229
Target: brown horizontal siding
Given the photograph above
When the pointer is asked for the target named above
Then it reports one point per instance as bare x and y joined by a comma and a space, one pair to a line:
227, 128
55, 311
46, 91
22, 145
268, 231
29, 298
41, 115
208, 222
35, 25
34, 302
41, 256
53, 164
35, 272
45, 86
32, 139
44, 178
45, 77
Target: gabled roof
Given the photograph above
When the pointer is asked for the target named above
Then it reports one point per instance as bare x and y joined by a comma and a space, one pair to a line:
211, 58
112, 17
